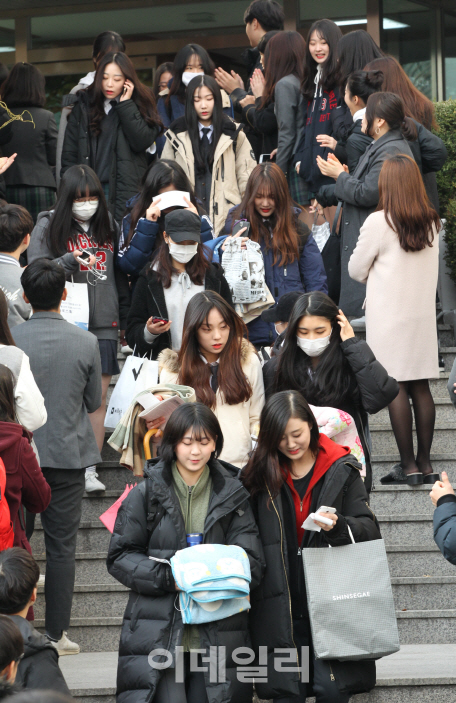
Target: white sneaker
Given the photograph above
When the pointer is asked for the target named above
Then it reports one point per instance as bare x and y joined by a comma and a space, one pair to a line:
126, 350
92, 483
359, 324
65, 646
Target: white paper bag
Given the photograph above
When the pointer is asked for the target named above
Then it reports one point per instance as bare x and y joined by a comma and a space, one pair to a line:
75, 308
137, 375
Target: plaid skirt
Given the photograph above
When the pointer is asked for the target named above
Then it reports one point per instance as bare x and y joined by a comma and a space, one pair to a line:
35, 199
298, 189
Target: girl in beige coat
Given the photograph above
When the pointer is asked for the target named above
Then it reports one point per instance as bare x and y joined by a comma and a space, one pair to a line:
223, 368
397, 257
212, 149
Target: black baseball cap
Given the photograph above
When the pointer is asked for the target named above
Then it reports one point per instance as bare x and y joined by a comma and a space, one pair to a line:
182, 225
281, 311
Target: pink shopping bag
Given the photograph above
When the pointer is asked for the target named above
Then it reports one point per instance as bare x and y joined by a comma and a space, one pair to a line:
109, 517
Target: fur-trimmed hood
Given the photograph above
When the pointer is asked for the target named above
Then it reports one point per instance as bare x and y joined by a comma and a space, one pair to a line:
168, 359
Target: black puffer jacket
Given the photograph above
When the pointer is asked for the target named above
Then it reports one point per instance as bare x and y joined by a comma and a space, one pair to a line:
281, 593
151, 621
372, 389
40, 666
129, 159
149, 301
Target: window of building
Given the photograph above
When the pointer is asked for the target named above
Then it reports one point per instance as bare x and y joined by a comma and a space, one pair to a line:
408, 34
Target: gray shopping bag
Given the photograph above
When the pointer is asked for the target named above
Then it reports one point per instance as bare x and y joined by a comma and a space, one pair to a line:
350, 601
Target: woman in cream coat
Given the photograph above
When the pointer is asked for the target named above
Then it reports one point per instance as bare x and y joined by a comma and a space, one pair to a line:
397, 257
224, 370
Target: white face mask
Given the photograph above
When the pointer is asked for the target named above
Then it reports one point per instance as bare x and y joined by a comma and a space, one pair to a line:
188, 76
313, 347
183, 253
85, 210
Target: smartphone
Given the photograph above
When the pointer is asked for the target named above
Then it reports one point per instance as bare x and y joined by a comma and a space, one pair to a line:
241, 225
84, 258
156, 320
264, 157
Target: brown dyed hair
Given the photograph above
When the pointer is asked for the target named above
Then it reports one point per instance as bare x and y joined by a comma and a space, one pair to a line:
142, 96
284, 56
232, 381
196, 267
269, 178
417, 106
405, 203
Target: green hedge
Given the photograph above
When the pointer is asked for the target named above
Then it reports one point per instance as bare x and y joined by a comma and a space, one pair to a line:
446, 178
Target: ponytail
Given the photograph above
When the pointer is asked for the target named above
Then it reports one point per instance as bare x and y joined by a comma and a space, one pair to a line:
364, 84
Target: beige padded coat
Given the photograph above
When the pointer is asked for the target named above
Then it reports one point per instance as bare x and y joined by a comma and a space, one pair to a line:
401, 326
230, 171
238, 422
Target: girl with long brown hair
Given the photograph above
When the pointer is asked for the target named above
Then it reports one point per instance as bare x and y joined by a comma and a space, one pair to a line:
222, 366
292, 260
281, 87
179, 270
428, 150
112, 125
397, 256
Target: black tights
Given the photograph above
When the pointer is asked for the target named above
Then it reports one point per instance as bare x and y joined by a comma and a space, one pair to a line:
401, 420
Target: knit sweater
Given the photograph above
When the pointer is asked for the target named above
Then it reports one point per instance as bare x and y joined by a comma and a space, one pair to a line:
194, 503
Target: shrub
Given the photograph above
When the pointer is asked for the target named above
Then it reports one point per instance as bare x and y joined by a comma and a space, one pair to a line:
446, 179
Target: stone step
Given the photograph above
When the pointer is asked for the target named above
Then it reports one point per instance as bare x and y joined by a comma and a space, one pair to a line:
422, 560
449, 355
397, 500
113, 475
93, 634
445, 333
90, 568
407, 529
92, 537
382, 464
94, 505
439, 385
92, 600
383, 441
444, 412
417, 673
427, 626
423, 593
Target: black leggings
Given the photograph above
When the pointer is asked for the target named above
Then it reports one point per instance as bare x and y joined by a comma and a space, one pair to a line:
192, 690
325, 687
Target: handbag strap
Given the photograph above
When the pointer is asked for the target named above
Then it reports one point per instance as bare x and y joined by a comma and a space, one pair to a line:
336, 219
351, 536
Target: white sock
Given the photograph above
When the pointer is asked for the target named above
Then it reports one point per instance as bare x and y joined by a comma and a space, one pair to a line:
90, 470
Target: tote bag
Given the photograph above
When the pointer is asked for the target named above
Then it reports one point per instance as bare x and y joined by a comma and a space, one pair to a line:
350, 601
137, 375
75, 308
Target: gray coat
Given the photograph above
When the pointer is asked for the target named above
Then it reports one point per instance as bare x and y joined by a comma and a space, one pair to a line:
65, 361
359, 193
290, 119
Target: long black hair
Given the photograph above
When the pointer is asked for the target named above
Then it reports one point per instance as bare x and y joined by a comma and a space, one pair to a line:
195, 417
78, 182
104, 43
25, 86
265, 469
142, 96
191, 117
331, 381
331, 33
181, 60
354, 51
161, 174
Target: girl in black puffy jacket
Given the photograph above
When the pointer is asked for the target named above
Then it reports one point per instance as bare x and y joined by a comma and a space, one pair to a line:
322, 358
294, 471
186, 491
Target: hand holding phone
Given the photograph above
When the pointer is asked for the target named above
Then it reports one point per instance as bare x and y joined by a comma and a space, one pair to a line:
127, 91
158, 325
84, 258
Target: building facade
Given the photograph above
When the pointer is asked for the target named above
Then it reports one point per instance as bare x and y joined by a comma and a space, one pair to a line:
57, 36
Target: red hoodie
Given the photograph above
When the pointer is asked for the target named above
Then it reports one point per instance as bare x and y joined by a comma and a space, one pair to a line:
25, 483
328, 453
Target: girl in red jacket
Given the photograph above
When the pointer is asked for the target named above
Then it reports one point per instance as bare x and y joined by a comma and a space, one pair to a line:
25, 483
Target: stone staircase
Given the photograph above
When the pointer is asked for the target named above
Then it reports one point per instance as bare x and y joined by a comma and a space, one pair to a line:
424, 584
